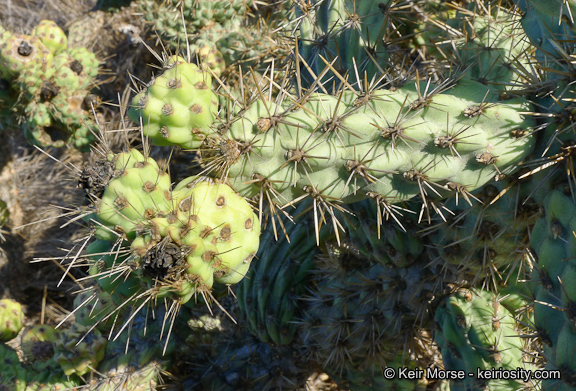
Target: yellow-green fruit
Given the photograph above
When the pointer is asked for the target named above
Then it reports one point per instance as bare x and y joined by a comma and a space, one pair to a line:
86, 59
180, 241
230, 225
178, 107
211, 236
19, 52
52, 36
11, 317
141, 192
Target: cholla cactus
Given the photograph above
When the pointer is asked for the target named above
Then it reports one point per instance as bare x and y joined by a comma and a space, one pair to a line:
48, 86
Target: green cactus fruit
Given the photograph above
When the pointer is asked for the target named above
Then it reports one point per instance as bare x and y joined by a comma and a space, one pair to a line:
270, 295
475, 333
38, 348
70, 74
11, 318
37, 342
178, 107
43, 372
36, 85
79, 349
141, 192
182, 240
19, 52
50, 83
52, 36
13, 373
87, 60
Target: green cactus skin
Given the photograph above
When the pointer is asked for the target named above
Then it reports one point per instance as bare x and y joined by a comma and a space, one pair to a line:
93, 307
13, 373
489, 236
269, 297
11, 318
545, 26
233, 28
485, 43
37, 344
361, 313
395, 241
201, 15
475, 333
43, 372
393, 145
350, 35
328, 148
553, 243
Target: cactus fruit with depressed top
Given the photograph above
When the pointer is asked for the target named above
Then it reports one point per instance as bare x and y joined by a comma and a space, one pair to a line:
176, 241
48, 86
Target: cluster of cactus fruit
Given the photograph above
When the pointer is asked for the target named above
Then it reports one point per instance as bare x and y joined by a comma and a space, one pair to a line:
45, 87
398, 196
